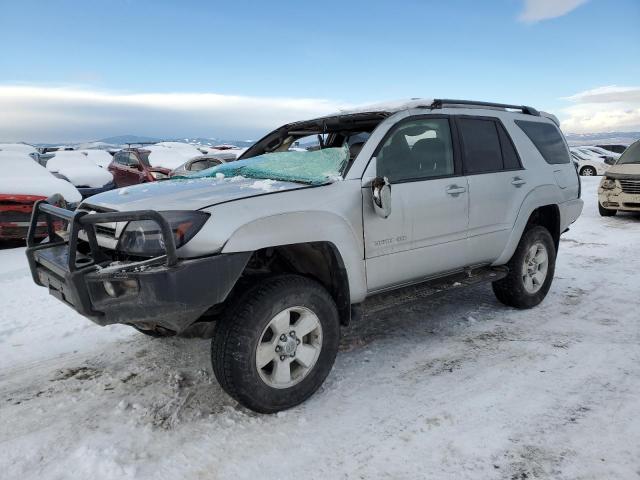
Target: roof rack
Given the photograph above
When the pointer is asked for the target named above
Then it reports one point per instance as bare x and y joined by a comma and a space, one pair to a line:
441, 103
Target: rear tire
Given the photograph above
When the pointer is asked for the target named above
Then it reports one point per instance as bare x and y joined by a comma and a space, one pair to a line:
276, 343
605, 212
531, 270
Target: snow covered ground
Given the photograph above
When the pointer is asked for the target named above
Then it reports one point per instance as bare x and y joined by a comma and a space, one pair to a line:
456, 387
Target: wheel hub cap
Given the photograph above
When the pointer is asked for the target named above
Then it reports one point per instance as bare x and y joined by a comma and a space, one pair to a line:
535, 267
289, 347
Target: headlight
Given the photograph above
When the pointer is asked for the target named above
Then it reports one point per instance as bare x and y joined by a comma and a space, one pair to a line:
144, 237
608, 183
159, 175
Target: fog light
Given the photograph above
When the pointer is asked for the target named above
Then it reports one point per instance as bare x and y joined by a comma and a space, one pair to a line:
110, 289
118, 288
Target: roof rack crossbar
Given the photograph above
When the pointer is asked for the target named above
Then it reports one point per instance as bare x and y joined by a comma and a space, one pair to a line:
440, 103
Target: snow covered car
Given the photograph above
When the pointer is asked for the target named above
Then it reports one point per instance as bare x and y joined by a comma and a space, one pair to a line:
588, 163
22, 183
620, 187
608, 157
202, 162
280, 248
77, 168
132, 166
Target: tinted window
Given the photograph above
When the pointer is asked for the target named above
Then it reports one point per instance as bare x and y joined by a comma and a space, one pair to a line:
417, 149
481, 144
547, 139
509, 154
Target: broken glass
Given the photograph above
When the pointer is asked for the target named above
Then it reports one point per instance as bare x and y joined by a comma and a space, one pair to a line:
313, 167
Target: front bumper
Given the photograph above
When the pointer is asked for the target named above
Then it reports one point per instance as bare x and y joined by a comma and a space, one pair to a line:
616, 199
162, 292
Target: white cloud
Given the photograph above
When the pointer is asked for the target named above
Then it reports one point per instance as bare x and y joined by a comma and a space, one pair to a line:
56, 114
537, 10
603, 109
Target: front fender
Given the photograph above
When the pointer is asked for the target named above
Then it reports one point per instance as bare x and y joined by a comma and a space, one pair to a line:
303, 227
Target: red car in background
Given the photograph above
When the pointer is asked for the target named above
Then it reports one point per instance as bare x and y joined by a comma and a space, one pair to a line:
23, 181
130, 166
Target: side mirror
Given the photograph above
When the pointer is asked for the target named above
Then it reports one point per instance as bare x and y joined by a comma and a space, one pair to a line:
609, 160
381, 189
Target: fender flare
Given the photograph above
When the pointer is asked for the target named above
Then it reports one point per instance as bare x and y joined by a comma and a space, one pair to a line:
306, 227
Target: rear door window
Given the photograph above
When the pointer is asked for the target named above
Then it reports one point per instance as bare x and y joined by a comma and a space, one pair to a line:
547, 139
481, 145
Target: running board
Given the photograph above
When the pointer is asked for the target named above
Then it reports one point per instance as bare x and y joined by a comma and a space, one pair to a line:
404, 295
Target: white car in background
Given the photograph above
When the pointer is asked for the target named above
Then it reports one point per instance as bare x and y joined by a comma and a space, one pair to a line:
82, 171
587, 163
170, 155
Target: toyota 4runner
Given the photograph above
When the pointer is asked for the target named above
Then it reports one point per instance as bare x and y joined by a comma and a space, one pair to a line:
276, 251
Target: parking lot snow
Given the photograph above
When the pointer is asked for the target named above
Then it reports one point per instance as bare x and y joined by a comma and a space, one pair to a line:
458, 386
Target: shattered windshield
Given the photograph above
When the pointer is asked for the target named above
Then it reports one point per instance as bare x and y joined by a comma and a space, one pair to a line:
630, 155
314, 167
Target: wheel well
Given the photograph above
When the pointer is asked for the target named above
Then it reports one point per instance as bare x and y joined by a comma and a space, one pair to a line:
547, 216
320, 261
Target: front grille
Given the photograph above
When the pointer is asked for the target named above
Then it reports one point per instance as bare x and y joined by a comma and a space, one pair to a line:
630, 186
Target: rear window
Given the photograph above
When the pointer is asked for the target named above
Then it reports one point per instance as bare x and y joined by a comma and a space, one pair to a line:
547, 139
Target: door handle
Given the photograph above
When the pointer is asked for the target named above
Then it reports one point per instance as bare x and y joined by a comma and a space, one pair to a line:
518, 182
455, 190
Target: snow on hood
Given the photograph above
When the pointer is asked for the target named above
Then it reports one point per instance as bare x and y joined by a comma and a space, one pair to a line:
188, 193
21, 175
102, 158
17, 147
171, 154
79, 169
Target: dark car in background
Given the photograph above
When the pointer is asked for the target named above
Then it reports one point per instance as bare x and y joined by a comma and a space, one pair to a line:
615, 148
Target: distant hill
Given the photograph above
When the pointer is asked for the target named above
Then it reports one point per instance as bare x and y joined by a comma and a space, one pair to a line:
624, 138
124, 139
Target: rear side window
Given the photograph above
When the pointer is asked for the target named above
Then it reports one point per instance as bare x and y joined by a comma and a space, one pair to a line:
547, 139
481, 144
509, 154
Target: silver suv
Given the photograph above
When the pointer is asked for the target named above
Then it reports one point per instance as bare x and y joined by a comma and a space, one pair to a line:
276, 251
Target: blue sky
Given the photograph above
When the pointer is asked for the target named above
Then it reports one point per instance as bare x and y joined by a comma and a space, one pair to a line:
334, 52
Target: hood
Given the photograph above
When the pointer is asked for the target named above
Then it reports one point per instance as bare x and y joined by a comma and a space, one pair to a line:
187, 194
625, 169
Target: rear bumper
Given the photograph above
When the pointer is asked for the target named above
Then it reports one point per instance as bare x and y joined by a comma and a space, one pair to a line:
162, 292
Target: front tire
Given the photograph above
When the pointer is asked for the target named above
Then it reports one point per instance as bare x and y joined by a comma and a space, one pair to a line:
531, 270
605, 212
277, 343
